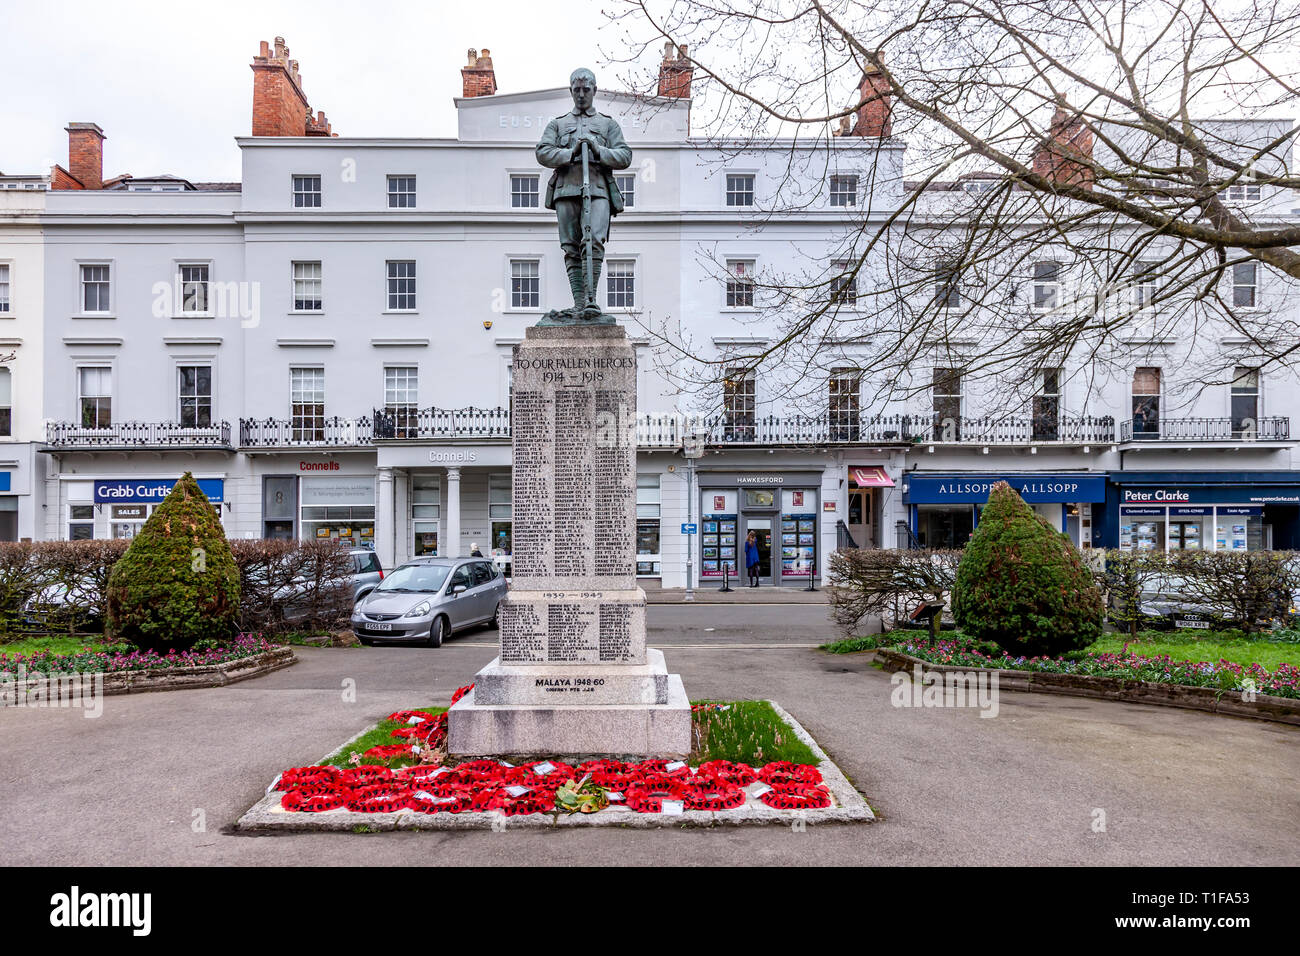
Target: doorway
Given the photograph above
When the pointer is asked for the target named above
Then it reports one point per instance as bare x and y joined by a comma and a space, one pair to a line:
762, 529
860, 523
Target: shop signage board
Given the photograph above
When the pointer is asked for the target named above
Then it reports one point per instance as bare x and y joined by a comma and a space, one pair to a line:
1243, 493
150, 491
974, 489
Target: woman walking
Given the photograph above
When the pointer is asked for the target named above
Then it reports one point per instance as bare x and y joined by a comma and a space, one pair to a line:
751, 558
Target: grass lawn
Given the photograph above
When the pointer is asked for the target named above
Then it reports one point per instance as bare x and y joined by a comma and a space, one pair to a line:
59, 644
379, 735
1268, 654
748, 731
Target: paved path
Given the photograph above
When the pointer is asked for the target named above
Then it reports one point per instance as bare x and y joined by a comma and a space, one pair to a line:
1177, 787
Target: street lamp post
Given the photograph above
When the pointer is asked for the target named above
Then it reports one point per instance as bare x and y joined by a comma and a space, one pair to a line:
692, 449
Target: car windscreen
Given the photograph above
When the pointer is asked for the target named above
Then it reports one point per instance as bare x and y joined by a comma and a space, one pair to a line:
415, 577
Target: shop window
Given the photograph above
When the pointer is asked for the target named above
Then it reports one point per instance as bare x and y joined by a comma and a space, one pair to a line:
194, 394
340, 508
944, 526
125, 521
401, 402
946, 396
738, 404
426, 510
1146, 404
1245, 402
81, 522
1244, 291
1047, 406
501, 514
648, 505
843, 404
95, 396
307, 403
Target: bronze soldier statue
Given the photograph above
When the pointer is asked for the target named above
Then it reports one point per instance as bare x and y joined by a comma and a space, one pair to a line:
583, 193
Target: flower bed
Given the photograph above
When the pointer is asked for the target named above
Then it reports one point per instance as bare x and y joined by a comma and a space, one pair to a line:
1284, 681
89, 661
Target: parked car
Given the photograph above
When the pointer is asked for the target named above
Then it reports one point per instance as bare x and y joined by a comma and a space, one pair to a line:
427, 599
1167, 602
369, 572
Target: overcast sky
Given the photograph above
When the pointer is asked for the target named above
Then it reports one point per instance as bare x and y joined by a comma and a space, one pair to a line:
170, 84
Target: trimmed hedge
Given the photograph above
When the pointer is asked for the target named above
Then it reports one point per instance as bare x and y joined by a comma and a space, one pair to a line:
1024, 585
316, 576
177, 583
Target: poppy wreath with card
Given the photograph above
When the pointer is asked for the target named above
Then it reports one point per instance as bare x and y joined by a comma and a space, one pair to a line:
308, 776
379, 798
797, 796
737, 774
782, 771
649, 798
295, 801
366, 774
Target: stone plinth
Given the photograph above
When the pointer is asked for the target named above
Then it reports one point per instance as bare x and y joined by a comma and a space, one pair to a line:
595, 684
574, 675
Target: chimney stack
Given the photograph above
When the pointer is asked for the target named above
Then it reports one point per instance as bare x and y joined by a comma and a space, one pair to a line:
86, 154
675, 72
1066, 156
873, 113
280, 106
477, 76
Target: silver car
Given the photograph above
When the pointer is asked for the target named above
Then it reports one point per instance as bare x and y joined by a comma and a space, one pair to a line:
425, 600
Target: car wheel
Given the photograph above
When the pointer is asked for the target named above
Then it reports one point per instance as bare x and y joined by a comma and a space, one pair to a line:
437, 631
495, 621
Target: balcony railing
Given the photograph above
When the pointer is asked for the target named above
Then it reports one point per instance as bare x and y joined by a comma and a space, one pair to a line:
403, 424
1277, 428
309, 431
137, 435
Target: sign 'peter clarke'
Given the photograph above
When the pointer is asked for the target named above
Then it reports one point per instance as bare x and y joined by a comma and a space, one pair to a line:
131, 491
1032, 488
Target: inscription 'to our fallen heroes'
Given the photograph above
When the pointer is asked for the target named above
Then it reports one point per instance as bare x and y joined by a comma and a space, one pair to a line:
574, 514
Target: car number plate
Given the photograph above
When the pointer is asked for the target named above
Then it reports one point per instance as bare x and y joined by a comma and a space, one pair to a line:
379, 627
1190, 622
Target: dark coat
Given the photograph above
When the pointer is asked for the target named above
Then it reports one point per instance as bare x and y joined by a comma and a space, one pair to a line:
555, 151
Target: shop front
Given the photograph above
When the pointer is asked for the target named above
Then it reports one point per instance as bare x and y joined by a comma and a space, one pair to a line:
319, 498
119, 507
780, 509
944, 510
1191, 511
862, 517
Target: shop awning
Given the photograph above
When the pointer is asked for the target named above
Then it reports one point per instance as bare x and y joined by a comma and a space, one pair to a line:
872, 476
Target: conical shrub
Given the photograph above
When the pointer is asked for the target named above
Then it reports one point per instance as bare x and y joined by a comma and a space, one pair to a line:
177, 583
1023, 584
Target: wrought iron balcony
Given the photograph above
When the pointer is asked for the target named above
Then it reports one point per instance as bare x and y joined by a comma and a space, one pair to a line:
406, 425
1277, 428
68, 435
667, 430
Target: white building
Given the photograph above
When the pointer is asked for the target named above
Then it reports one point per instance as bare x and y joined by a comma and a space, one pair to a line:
327, 345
